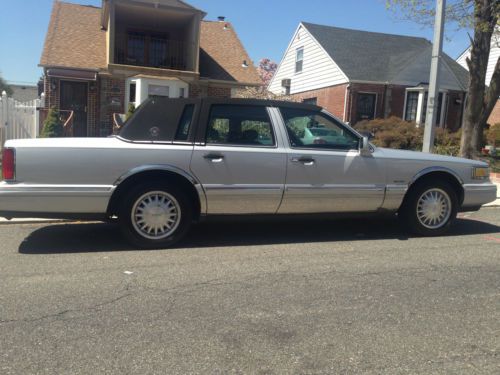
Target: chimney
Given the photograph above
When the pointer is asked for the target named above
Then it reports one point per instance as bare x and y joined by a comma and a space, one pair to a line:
221, 18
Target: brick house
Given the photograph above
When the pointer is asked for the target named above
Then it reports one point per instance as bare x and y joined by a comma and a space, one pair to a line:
359, 75
492, 61
98, 60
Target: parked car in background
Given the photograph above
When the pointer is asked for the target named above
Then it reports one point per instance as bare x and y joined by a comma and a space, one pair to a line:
177, 160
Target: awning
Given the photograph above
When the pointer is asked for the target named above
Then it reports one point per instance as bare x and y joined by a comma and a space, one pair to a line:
83, 75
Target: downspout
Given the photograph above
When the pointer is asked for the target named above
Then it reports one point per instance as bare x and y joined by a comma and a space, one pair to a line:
345, 101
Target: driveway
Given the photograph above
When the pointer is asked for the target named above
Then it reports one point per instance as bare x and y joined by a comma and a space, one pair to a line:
274, 297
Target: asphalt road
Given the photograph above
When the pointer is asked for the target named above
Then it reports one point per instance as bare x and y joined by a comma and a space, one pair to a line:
303, 297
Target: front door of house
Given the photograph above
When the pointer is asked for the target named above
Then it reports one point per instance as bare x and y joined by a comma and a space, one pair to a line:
366, 106
74, 98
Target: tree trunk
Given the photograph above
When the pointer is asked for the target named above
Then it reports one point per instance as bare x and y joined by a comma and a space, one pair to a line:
478, 107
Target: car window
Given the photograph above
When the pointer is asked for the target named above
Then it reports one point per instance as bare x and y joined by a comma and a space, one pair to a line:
157, 120
185, 123
313, 129
239, 125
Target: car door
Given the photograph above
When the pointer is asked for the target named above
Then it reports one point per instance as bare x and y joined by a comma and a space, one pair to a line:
238, 159
326, 172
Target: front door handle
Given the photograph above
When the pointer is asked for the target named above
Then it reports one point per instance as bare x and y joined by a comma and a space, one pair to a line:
214, 158
306, 160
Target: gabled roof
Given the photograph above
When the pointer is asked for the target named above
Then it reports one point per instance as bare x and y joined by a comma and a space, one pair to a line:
222, 54
75, 40
378, 57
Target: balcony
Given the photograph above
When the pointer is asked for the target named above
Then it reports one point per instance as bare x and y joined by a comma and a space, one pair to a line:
151, 50
145, 35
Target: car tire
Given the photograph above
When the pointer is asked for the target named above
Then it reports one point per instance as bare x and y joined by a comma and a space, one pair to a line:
430, 208
155, 216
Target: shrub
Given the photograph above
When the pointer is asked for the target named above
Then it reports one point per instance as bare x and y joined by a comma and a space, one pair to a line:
130, 111
394, 132
52, 126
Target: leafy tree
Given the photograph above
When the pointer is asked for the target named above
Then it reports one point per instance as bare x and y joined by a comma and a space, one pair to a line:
52, 126
5, 87
266, 70
482, 17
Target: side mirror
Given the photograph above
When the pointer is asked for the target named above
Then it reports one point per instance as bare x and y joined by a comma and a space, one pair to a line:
365, 149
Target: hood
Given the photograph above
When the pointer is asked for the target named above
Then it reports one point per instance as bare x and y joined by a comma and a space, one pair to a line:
424, 156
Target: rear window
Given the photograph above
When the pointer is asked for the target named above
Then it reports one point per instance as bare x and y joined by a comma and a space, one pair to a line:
160, 119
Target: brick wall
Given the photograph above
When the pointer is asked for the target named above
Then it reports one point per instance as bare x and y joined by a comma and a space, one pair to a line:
111, 100
396, 102
495, 115
331, 98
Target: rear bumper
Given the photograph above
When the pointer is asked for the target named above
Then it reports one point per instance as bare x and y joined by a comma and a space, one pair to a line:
22, 200
476, 195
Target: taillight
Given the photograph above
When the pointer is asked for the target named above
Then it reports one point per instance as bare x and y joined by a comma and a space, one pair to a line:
8, 164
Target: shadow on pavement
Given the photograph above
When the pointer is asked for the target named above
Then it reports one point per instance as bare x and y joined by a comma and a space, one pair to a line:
103, 237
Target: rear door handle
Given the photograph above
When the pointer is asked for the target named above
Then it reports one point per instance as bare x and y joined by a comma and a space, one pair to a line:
306, 160
214, 158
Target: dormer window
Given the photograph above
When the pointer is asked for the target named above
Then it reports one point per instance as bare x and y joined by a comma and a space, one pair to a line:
299, 59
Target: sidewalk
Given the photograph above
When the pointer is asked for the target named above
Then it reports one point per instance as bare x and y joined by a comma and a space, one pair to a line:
497, 202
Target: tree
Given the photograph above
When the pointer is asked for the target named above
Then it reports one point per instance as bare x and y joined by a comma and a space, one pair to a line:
4, 86
52, 126
266, 70
482, 17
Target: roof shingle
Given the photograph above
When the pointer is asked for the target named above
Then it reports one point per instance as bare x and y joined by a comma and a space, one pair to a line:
378, 57
74, 38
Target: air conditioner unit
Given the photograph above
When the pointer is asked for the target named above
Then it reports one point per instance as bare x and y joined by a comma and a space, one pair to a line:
287, 82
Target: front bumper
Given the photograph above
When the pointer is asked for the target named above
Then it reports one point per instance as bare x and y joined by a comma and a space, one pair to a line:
27, 200
475, 195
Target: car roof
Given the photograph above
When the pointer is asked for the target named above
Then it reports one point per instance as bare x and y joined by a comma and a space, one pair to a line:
254, 102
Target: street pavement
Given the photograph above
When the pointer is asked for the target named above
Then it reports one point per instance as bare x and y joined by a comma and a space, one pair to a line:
247, 297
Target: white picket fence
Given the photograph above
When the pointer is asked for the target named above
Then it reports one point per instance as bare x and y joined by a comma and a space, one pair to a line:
18, 120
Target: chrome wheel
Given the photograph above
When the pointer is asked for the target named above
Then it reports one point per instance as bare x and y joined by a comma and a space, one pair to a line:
156, 215
434, 208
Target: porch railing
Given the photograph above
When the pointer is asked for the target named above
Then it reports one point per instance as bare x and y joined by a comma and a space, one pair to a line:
65, 116
148, 51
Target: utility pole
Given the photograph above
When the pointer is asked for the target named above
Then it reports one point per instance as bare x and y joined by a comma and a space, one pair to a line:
432, 102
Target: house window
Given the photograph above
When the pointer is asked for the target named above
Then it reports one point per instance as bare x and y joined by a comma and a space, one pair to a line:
132, 92
158, 51
157, 90
136, 48
411, 106
310, 101
438, 112
299, 60
182, 92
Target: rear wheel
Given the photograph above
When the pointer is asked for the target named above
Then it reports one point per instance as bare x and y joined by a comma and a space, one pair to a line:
153, 216
430, 208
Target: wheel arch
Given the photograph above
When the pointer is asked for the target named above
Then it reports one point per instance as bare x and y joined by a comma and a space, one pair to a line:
438, 174
158, 173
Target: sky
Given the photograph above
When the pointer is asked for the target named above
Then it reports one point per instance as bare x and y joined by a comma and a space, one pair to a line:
264, 26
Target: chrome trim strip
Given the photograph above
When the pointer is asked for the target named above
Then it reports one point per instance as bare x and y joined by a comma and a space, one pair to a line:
362, 187
425, 171
211, 187
6, 188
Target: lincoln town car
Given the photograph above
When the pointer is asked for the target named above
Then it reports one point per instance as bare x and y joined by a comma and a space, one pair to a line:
176, 161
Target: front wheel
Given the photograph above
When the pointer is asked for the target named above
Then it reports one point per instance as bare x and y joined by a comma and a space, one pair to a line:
155, 216
430, 208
